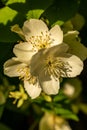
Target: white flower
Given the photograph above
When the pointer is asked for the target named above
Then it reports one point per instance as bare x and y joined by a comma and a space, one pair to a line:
52, 122
42, 59
37, 36
14, 68
44, 70
51, 64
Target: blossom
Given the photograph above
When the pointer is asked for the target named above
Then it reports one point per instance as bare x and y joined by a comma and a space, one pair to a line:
53, 122
41, 59
36, 36
15, 68
53, 63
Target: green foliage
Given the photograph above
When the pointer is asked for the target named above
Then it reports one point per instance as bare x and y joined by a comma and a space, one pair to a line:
55, 11
10, 18
59, 10
34, 13
75, 47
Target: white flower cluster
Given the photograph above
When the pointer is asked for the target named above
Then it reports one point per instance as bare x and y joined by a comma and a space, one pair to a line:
42, 58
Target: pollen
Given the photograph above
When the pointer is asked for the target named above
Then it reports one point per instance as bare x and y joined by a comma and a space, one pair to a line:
26, 75
56, 67
41, 41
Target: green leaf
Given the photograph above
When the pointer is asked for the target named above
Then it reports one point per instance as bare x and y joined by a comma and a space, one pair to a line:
14, 1
61, 10
78, 21
71, 116
8, 18
75, 47
58, 98
34, 13
66, 113
6, 15
27, 5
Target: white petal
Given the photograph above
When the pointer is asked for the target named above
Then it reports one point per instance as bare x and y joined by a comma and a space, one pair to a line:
34, 27
23, 51
56, 35
50, 86
75, 66
33, 90
43, 55
11, 67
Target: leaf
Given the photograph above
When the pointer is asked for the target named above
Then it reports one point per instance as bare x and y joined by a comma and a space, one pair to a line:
10, 18
34, 13
66, 113
6, 15
71, 116
26, 5
61, 10
59, 98
14, 1
78, 21
75, 47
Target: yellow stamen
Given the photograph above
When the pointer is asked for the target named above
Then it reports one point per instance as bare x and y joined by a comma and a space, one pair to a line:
56, 67
41, 41
26, 75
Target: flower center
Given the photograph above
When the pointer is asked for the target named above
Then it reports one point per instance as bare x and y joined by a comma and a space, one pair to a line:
26, 75
41, 41
56, 67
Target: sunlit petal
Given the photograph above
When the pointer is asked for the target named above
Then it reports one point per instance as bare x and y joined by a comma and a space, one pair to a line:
33, 90
23, 51
34, 27
50, 86
56, 35
11, 67
75, 66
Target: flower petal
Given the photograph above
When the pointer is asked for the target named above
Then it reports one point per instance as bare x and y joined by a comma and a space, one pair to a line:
11, 67
23, 51
75, 66
34, 27
50, 86
33, 90
43, 55
57, 50
56, 35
